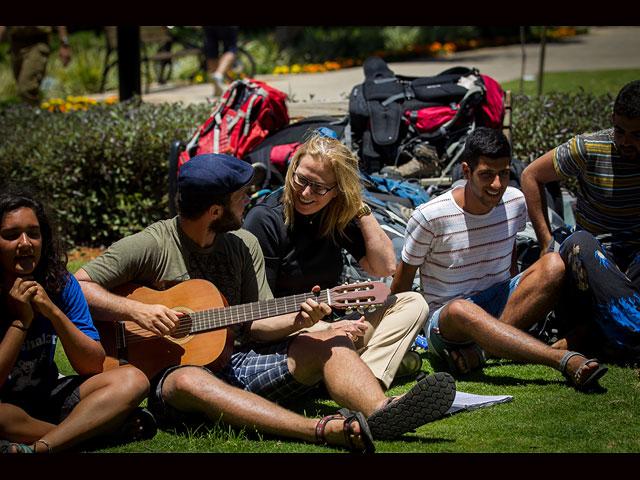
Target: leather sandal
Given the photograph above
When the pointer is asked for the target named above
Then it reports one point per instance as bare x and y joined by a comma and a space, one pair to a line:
464, 354
348, 417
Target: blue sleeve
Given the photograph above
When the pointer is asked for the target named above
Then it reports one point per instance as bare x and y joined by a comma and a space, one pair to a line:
72, 302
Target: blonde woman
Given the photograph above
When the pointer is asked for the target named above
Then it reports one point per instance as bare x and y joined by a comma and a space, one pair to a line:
302, 229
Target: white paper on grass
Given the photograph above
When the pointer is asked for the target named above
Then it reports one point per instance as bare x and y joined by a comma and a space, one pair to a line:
469, 401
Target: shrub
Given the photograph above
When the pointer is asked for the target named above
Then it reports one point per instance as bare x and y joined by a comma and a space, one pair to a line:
540, 124
103, 170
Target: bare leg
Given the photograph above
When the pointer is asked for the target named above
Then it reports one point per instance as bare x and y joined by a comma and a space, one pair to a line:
17, 426
537, 293
217, 69
105, 402
463, 321
195, 390
226, 60
348, 379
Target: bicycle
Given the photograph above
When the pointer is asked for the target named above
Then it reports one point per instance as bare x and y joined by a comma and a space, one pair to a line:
158, 51
189, 39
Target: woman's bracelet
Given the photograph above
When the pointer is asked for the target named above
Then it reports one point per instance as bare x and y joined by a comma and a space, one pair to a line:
19, 327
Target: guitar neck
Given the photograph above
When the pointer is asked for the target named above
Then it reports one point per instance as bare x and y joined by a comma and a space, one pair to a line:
223, 317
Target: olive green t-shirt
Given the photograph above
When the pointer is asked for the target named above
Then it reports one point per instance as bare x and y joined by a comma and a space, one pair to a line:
162, 255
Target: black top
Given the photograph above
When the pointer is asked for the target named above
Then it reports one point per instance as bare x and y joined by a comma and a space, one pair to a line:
298, 260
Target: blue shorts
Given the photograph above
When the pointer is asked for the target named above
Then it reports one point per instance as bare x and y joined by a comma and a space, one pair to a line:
491, 300
258, 368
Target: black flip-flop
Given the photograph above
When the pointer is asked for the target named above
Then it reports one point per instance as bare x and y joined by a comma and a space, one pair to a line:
589, 383
140, 417
427, 401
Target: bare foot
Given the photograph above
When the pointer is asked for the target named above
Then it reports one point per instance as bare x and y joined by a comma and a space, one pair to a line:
584, 372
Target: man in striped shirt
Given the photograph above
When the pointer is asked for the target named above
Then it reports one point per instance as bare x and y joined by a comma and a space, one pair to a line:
603, 255
463, 242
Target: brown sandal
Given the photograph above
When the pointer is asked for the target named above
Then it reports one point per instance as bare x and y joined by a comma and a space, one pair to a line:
348, 417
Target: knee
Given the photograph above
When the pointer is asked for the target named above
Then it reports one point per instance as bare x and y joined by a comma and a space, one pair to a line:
318, 347
180, 383
579, 241
134, 382
412, 307
457, 311
553, 267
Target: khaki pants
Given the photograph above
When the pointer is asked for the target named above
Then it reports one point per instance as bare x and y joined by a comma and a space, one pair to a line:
392, 329
29, 61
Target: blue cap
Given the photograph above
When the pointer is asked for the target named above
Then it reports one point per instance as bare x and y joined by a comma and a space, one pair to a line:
214, 173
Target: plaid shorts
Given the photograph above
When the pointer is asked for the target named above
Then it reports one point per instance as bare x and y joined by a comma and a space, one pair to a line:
257, 368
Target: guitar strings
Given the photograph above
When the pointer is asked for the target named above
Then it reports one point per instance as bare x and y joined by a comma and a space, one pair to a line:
225, 316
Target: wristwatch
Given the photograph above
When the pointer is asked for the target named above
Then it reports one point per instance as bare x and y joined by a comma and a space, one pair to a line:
365, 210
64, 41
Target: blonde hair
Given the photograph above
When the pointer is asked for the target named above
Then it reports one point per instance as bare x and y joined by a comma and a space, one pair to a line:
336, 215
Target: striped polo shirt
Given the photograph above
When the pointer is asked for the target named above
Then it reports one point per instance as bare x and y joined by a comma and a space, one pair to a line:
608, 200
461, 254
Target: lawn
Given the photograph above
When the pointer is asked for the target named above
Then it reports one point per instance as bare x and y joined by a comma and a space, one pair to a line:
546, 416
598, 82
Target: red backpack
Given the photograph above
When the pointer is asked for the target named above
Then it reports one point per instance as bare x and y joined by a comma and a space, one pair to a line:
248, 111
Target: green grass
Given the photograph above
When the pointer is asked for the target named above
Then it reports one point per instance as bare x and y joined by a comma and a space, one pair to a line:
598, 82
546, 416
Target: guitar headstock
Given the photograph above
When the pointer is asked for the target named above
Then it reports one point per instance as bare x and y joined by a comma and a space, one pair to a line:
357, 296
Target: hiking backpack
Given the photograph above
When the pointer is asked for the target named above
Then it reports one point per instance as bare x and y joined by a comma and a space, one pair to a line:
245, 115
277, 150
391, 115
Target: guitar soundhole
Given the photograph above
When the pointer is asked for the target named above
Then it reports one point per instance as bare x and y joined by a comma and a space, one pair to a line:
184, 327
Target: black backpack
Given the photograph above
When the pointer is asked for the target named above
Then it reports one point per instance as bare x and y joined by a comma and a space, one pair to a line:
387, 110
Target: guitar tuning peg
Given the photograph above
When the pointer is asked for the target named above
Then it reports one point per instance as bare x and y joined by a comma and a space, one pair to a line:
372, 308
360, 310
349, 311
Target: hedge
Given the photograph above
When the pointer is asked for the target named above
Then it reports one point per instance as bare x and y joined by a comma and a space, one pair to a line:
104, 171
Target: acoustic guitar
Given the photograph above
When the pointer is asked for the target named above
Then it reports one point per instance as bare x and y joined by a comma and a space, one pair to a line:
204, 335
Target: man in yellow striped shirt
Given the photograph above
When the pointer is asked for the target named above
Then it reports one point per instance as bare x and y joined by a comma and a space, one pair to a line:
603, 253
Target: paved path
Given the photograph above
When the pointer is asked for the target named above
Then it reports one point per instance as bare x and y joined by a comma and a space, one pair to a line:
327, 93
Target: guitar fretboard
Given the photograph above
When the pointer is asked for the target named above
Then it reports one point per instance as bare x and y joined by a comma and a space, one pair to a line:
222, 317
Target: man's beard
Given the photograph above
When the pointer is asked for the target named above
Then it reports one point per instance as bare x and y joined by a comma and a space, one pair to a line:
226, 223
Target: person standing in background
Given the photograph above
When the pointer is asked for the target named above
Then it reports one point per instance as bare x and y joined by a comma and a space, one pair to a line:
30, 49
